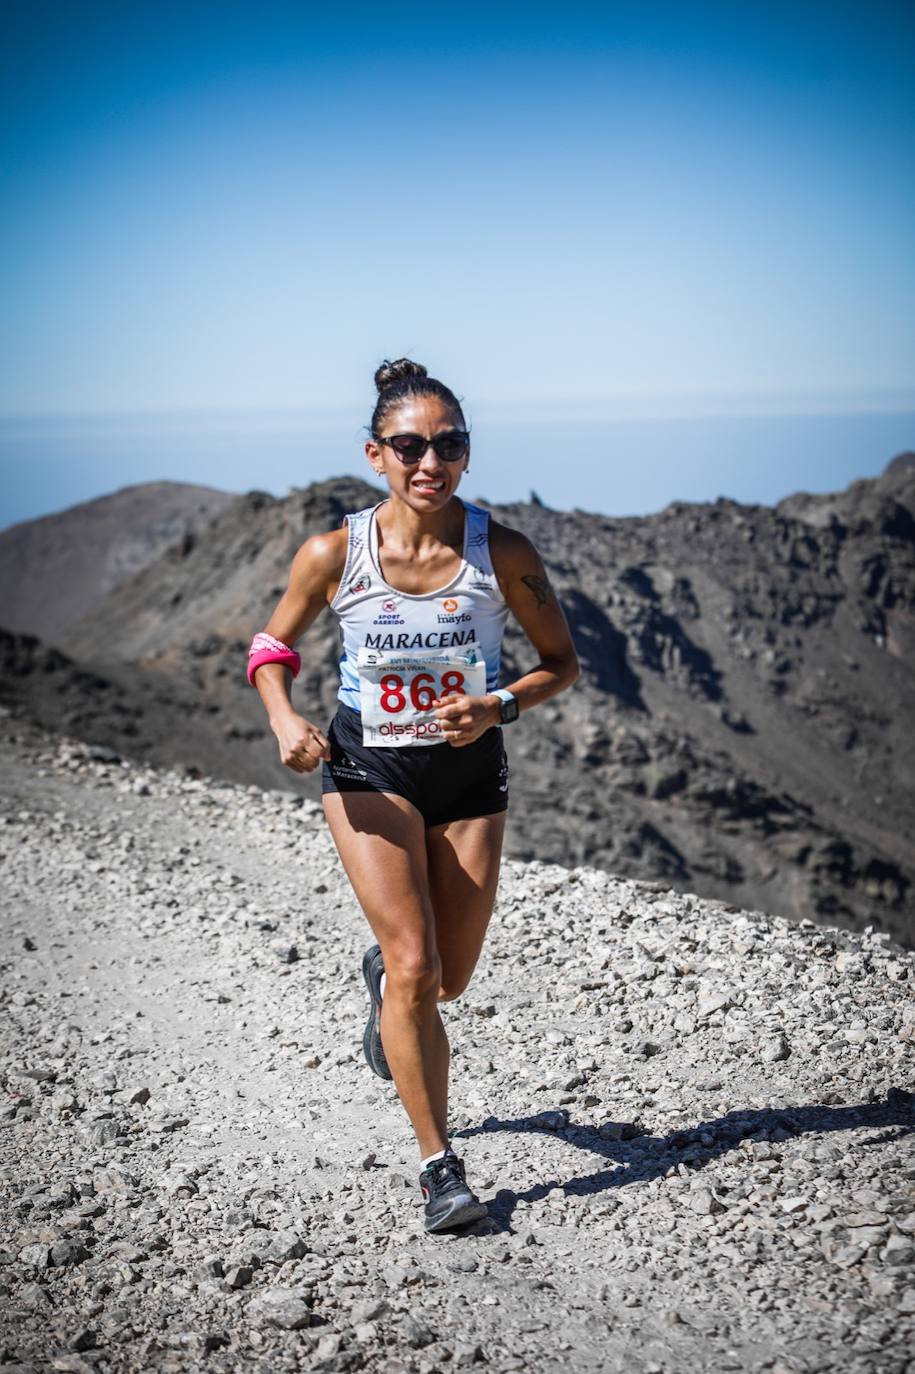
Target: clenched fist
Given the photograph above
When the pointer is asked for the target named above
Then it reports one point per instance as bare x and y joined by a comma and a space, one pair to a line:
302, 745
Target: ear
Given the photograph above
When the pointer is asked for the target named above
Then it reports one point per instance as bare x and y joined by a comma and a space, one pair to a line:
373, 454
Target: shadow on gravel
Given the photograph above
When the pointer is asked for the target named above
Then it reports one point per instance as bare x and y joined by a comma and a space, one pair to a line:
644, 1157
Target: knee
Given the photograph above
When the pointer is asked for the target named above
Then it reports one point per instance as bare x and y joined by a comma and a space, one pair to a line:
413, 974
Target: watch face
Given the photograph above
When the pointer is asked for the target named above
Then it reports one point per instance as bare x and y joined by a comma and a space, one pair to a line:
509, 711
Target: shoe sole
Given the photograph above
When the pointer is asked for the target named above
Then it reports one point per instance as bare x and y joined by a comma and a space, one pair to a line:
369, 1034
460, 1215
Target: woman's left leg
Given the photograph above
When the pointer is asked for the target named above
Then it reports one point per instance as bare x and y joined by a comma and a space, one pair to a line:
463, 859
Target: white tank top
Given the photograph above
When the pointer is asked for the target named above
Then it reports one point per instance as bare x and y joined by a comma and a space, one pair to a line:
468, 613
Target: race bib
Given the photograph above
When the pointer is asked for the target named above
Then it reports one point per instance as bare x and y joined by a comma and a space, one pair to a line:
396, 692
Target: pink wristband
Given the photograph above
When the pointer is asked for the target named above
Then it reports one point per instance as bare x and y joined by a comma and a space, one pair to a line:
265, 649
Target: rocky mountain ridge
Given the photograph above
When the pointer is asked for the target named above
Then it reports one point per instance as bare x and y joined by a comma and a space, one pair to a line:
54, 569
742, 727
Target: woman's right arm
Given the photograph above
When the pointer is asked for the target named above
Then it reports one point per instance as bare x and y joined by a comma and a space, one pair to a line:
313, 579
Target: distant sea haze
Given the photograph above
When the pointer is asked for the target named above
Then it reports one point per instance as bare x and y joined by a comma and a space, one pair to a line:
615, 466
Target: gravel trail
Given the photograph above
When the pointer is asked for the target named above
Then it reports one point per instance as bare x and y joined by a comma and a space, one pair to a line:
694, 1126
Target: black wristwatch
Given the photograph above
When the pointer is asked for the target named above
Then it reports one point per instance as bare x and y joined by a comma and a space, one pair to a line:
509, 706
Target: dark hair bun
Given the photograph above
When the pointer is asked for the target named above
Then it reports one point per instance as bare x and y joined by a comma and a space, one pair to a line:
400, 371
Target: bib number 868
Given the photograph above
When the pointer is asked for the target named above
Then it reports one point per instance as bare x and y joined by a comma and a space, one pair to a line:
422, 693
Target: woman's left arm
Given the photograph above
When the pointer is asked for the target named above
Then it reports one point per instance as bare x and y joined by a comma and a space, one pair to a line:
524, 583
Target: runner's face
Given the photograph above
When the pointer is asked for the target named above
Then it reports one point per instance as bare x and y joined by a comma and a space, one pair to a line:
430, 483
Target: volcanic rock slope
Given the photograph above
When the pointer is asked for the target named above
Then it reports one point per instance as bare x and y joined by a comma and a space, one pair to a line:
692, 1125
53, 570
743, 726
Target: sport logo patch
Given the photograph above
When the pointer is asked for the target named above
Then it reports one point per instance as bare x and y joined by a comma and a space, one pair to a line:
389, 614
452, 616
359, 585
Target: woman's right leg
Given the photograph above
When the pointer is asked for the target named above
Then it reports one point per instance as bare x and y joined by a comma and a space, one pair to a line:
381, 840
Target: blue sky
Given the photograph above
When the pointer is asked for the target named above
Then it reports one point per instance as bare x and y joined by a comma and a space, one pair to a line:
578, 213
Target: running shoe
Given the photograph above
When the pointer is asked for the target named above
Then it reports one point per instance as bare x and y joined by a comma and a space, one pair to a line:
372, 969
449, 1201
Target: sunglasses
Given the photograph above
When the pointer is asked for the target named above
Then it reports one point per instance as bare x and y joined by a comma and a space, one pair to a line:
410, 448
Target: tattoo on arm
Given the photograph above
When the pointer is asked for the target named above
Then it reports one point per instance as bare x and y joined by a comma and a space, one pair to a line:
539, 586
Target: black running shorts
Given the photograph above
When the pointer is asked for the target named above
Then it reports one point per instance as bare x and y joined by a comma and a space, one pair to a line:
443, 783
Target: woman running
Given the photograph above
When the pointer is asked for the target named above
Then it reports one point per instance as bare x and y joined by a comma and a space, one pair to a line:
414, 773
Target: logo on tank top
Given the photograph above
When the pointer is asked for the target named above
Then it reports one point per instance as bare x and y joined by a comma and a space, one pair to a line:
359, 585
389, 614
452, 616
482, 580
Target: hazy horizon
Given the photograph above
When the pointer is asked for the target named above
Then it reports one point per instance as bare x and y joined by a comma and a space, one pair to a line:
618, 465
